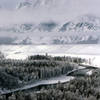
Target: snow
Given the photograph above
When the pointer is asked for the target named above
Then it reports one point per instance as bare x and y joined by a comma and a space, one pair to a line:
83, 29
91, 52
90, 72
27, 23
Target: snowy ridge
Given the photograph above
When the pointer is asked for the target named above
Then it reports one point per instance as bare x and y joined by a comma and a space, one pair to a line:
83, 23
88, 21
82, 30
47, 29
32, 4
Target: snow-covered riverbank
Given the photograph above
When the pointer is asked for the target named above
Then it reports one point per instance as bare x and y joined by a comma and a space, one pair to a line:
90, 52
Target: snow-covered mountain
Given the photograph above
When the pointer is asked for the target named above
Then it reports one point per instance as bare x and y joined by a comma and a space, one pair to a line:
84, 23
84, 29
29, 27
32, 4
25, 4
49, 22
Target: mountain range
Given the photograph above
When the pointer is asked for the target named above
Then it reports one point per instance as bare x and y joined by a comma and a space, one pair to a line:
83, 29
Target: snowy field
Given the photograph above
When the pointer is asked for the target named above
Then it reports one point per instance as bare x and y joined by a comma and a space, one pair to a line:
90, 51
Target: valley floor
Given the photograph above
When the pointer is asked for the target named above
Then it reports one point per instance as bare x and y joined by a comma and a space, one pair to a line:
91, 52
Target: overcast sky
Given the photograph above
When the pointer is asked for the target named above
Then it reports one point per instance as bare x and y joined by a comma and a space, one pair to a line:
9, 3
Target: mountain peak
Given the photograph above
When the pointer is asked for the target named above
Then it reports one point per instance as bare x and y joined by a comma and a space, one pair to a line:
35, 3
84, 23
26, 3
89, 18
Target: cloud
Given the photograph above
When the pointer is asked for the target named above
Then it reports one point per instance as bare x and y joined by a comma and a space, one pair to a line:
61, 11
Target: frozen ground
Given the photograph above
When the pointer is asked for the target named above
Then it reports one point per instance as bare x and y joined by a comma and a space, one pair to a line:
90, 52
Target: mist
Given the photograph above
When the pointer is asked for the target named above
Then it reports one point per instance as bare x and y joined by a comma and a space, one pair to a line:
60, 11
